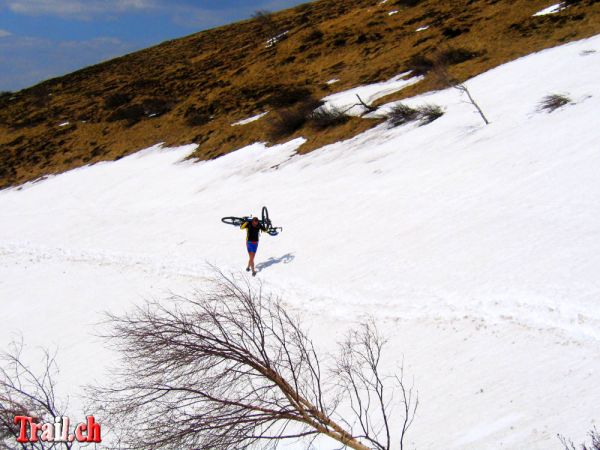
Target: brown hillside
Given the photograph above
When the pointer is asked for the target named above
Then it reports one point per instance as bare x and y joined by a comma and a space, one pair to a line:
192, 89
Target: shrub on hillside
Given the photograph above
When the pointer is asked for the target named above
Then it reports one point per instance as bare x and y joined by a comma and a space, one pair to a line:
288, 96
303, 19
266, 23
289, 120
322, 118
286, 122
408, 3
116, 100
196, 117
315, 36
401, 114
41, 90
288, 60
269, 28
552, 102
149, 107
452, 56
339, 41
429, 113
451, 32
132, 114
145, 84
31, 121
420, 64
156, 106
5, 97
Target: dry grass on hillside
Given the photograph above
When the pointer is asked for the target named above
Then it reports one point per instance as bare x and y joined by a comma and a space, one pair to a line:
192, 89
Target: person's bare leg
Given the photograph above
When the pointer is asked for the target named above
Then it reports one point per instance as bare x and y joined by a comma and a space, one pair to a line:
251, 261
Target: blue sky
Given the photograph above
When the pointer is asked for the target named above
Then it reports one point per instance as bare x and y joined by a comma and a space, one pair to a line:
40, 39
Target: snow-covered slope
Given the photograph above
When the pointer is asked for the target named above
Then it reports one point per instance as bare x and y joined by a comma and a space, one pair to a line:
476, 248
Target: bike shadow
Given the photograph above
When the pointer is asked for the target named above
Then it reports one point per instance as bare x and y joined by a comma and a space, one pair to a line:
285, 259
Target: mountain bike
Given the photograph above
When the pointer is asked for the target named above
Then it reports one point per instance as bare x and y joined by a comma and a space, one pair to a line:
265, 222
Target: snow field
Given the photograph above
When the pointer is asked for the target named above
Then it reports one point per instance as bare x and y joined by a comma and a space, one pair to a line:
475, 248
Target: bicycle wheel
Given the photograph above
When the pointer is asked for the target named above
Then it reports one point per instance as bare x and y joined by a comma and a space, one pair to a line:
274, 231
265, 217
237, 221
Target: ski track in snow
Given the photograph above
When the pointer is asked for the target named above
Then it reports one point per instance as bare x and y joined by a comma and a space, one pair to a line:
476, 248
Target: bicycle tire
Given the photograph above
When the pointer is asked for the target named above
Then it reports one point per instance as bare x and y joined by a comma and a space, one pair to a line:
237, 221
265, 217
274, 231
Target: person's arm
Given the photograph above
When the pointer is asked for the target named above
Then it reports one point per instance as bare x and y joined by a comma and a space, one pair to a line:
244, 225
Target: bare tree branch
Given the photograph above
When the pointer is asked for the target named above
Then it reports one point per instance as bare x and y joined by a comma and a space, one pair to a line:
371, 392
443, 76
25, 393
230, 368
595, 444
369, 108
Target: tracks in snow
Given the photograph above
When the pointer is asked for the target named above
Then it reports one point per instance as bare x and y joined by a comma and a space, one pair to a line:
572, 326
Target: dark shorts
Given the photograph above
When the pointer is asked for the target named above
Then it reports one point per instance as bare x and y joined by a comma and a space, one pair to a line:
251, 246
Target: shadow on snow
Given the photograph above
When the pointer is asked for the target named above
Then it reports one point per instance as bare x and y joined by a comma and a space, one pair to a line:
285, 259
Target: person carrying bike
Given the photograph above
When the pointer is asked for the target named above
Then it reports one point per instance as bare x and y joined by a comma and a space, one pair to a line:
253, 229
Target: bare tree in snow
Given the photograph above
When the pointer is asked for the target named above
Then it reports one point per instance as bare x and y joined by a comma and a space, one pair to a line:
231, 368
594, 445
23, 392
440, 71
358, 369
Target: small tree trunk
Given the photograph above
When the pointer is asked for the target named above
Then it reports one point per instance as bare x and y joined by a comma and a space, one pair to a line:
369, 107
464, 89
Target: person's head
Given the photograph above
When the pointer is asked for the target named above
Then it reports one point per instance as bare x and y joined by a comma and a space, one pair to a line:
255, 221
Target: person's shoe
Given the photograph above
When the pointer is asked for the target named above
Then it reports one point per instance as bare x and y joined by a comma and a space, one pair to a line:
247, 269
254, 273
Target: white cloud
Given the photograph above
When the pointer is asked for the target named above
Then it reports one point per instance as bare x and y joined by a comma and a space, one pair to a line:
4, 33
80, 9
